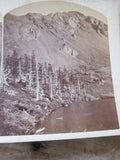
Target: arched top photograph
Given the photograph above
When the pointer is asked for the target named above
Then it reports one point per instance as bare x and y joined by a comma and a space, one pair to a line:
56, 74
0, 43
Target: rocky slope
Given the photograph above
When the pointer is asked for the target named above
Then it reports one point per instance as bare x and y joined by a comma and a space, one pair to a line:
68, 38
59, 39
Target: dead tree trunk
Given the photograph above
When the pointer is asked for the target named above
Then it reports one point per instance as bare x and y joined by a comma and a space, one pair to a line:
37, 81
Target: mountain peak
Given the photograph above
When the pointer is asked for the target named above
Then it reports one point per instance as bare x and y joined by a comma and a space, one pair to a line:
97, 25
69, 37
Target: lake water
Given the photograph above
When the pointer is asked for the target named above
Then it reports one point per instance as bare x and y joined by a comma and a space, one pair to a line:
83, 116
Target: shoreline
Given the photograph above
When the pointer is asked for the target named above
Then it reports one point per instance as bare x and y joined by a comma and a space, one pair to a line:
61, 121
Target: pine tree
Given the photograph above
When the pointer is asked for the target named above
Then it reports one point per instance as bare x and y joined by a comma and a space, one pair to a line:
20, 69
51, 88
33, 70
7, 62
30, 72
14, 65
37, 81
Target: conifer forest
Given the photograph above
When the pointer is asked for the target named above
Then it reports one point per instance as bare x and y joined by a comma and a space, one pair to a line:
56, 75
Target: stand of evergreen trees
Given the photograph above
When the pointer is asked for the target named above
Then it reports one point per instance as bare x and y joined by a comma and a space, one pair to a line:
42, 80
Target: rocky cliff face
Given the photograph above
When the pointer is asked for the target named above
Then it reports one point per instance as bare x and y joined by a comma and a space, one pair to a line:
68, 38
50, 62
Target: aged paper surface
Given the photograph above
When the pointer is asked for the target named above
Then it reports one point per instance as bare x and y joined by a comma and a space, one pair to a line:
56, 80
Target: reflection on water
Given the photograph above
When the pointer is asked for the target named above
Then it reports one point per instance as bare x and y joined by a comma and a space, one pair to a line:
85, 116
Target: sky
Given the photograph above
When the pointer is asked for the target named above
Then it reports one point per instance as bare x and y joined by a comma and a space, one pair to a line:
56, 6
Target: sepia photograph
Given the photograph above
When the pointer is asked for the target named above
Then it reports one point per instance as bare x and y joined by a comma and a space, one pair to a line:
0, 42
56, 75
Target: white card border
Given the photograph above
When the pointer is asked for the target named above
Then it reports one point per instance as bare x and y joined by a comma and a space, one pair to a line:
110, 10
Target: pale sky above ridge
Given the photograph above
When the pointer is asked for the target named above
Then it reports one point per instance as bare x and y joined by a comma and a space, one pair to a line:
47, 7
